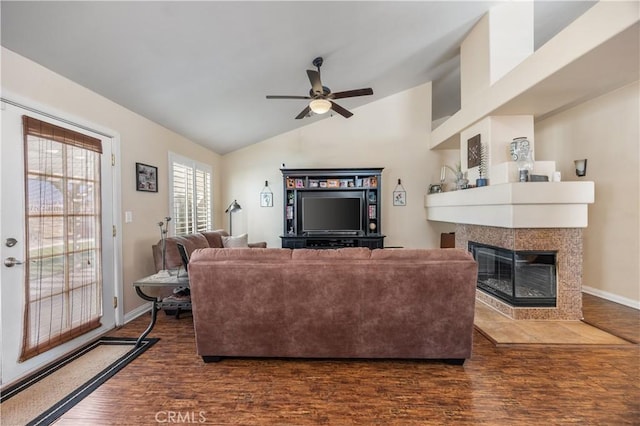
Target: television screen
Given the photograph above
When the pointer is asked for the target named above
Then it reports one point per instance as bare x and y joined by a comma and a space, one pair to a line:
331, 214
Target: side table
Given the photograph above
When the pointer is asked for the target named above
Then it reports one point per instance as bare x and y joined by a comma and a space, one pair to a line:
158, 280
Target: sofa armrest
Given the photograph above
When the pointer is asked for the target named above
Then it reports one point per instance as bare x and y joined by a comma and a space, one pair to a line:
261, 244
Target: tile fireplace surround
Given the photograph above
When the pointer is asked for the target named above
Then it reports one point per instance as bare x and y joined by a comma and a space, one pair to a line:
524, 216
568, 244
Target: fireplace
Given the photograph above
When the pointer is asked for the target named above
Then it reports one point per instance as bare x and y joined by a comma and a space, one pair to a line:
519, 278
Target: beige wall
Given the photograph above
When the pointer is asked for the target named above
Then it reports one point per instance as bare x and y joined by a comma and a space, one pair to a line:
141, 140
605, 131
392, 133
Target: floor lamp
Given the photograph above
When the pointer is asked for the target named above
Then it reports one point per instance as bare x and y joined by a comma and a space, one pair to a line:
233, 207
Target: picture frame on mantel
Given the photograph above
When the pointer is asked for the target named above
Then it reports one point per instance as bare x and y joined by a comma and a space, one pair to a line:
146, 178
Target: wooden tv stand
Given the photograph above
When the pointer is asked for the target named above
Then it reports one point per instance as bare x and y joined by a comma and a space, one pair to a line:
364, 183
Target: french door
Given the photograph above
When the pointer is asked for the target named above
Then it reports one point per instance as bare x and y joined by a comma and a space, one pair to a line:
56, 241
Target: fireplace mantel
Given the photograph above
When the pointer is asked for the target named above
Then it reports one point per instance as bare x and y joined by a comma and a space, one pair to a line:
515, 205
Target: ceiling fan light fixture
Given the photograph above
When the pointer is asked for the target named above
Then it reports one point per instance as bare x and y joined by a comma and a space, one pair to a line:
320, 106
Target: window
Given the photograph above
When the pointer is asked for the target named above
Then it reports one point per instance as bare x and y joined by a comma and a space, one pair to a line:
63, 222
190, 184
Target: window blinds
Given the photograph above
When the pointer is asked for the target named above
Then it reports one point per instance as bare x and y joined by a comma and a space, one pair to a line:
191, 196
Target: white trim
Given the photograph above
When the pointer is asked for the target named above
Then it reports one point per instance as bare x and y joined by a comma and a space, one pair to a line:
116, 208
140, 310
612, 297
57, 115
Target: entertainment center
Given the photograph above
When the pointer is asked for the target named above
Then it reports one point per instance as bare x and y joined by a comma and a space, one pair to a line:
332, 208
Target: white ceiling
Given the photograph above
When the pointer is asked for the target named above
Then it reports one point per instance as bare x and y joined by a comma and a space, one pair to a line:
202, 69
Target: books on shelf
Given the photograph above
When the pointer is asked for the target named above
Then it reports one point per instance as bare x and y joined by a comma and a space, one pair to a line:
372, 211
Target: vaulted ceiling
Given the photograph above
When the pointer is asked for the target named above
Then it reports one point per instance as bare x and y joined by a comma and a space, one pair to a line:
203, 68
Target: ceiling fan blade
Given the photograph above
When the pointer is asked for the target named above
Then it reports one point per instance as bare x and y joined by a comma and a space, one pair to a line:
352, 93
314, 78
303, 113
287, 97
343, 112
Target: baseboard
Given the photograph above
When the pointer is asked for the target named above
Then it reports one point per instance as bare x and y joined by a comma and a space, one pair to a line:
612, 297
141, 310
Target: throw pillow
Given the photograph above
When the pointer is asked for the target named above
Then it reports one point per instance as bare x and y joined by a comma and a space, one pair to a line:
235, 242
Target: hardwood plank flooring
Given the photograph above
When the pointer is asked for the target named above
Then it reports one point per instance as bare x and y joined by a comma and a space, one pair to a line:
622, 321
498, 385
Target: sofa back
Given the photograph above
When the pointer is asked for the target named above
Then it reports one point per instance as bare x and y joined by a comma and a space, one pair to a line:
355, 302
191, 242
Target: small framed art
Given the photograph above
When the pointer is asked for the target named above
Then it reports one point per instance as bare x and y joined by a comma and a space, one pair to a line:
399, 198
399, 195
266, 199
146, 178
266, 196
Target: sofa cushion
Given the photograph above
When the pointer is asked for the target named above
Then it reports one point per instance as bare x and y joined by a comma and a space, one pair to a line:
421, 254
252, 254
347, 253
215, 237
190, 242
241, 241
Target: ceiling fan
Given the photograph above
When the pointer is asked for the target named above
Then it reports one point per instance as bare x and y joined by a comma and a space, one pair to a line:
321, 98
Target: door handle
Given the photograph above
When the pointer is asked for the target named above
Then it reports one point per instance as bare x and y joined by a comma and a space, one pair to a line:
9, 262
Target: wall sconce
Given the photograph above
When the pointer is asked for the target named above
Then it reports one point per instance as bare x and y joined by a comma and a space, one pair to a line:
233, 207
266, 196
581, 167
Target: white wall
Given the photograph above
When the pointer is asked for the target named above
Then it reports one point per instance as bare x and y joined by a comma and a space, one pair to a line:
392, 133
141, 140
605, 131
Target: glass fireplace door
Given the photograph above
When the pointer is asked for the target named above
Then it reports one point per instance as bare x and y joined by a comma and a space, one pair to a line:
520, 278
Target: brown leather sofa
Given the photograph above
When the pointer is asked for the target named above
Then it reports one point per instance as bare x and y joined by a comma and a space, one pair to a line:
340, 303
209, 239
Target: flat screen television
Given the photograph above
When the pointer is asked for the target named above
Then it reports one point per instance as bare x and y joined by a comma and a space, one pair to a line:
331, 212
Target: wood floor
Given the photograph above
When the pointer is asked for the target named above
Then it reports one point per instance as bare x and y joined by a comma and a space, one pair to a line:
598, 385
620, 320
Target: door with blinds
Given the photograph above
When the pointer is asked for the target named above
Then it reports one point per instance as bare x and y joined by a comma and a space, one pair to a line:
57, 243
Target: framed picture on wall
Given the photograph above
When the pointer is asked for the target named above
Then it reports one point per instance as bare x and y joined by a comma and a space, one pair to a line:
146, 178
399, 198
474, 148
266, 199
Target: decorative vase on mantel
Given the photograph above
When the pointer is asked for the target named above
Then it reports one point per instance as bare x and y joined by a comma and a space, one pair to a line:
461, 181
521, 153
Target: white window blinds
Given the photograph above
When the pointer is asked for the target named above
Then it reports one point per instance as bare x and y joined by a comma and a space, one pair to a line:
190, 195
